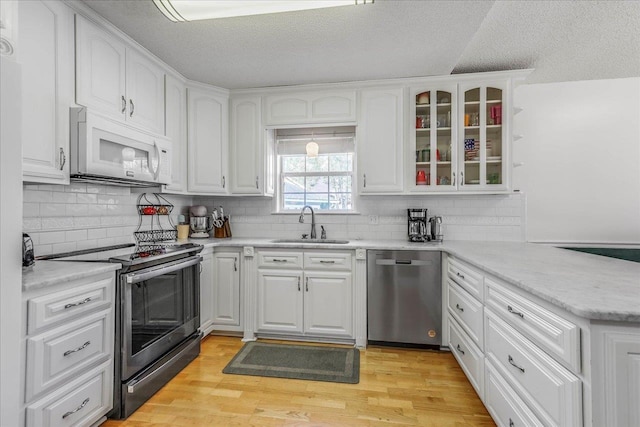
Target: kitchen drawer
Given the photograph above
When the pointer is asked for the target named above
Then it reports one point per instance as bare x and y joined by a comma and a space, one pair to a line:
558, 336
56, 307
504, 405
280, 259
466, 276
469, 357
552, 392
327, 261
467, 311
63, 352
83, 402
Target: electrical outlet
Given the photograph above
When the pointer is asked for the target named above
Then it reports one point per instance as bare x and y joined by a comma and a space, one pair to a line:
373, 219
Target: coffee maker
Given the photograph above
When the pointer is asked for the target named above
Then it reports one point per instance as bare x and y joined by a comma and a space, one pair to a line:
200, 221
418, 225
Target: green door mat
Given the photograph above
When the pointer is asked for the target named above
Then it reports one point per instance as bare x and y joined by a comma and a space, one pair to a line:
341, 365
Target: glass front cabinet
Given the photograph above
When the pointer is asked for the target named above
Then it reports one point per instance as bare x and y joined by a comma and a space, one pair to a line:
459, 140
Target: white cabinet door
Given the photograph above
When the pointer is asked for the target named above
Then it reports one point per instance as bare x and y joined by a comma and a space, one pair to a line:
280, 301
432, 119
206, 292
484, 136
117, 80
176, 131
380, 141
45, 32
245, 146
145, 92
207, 132
310, 107
616, 374
328, 307
100, 70
226, 289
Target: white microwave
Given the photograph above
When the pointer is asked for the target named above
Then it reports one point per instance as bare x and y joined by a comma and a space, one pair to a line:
109, 152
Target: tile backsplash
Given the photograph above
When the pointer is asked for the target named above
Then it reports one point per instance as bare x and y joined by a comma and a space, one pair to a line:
486, 217
81, 216
61, 218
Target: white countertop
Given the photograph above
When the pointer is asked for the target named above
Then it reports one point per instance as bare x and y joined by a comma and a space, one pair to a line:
590, 286
47, 273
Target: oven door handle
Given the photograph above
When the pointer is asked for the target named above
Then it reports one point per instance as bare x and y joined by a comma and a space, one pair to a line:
162, 269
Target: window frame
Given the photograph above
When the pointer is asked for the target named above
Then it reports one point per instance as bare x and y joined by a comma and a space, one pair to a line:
281, 182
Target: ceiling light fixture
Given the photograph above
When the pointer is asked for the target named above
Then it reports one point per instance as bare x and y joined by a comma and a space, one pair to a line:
312, 147
193, 10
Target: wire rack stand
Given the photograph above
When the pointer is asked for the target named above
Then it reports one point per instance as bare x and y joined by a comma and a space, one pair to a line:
154, 207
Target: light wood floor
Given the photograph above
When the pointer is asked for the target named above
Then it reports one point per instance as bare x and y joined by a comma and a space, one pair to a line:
397, 387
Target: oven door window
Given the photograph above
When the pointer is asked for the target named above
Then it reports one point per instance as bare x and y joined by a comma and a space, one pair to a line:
158, 306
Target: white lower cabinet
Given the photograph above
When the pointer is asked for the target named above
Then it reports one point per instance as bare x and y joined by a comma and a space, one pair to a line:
521, 357
503, 403
328, 303
68, 352
79, 403
549, 389
615, 351
226, 309
468, 355
280, 301
296, 300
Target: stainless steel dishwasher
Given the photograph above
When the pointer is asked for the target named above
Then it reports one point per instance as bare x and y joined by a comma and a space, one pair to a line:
404, 299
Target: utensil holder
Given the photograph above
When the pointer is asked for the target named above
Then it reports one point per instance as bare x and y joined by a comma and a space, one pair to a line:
222, 232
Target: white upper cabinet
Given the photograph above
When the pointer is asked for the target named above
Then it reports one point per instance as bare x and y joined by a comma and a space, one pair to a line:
176, 131
310, 107
45, 52
250, 155
380, 141
208, 139
431, 164
145, 92
484, 137
116, 79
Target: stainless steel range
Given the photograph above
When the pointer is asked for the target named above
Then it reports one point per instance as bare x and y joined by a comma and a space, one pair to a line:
157, 318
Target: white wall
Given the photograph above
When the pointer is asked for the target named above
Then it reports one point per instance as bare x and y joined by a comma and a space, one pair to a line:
581, 150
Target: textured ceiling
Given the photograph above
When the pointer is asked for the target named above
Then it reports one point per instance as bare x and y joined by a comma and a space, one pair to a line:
562, 40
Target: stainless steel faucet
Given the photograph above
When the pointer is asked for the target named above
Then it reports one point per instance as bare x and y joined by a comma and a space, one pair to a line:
313, 220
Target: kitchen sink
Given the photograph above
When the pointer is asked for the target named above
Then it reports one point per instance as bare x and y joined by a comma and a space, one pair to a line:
312, 241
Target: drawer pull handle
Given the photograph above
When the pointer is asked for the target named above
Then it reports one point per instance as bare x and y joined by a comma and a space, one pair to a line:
514, 364
279, 260
298, 283
82, 347
511, 424
512, 311
75, 304
460, 275
322, 261
306, 284
459, 308
77, 409
459, 349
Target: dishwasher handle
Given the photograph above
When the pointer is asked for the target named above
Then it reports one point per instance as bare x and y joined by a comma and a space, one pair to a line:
408, 262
